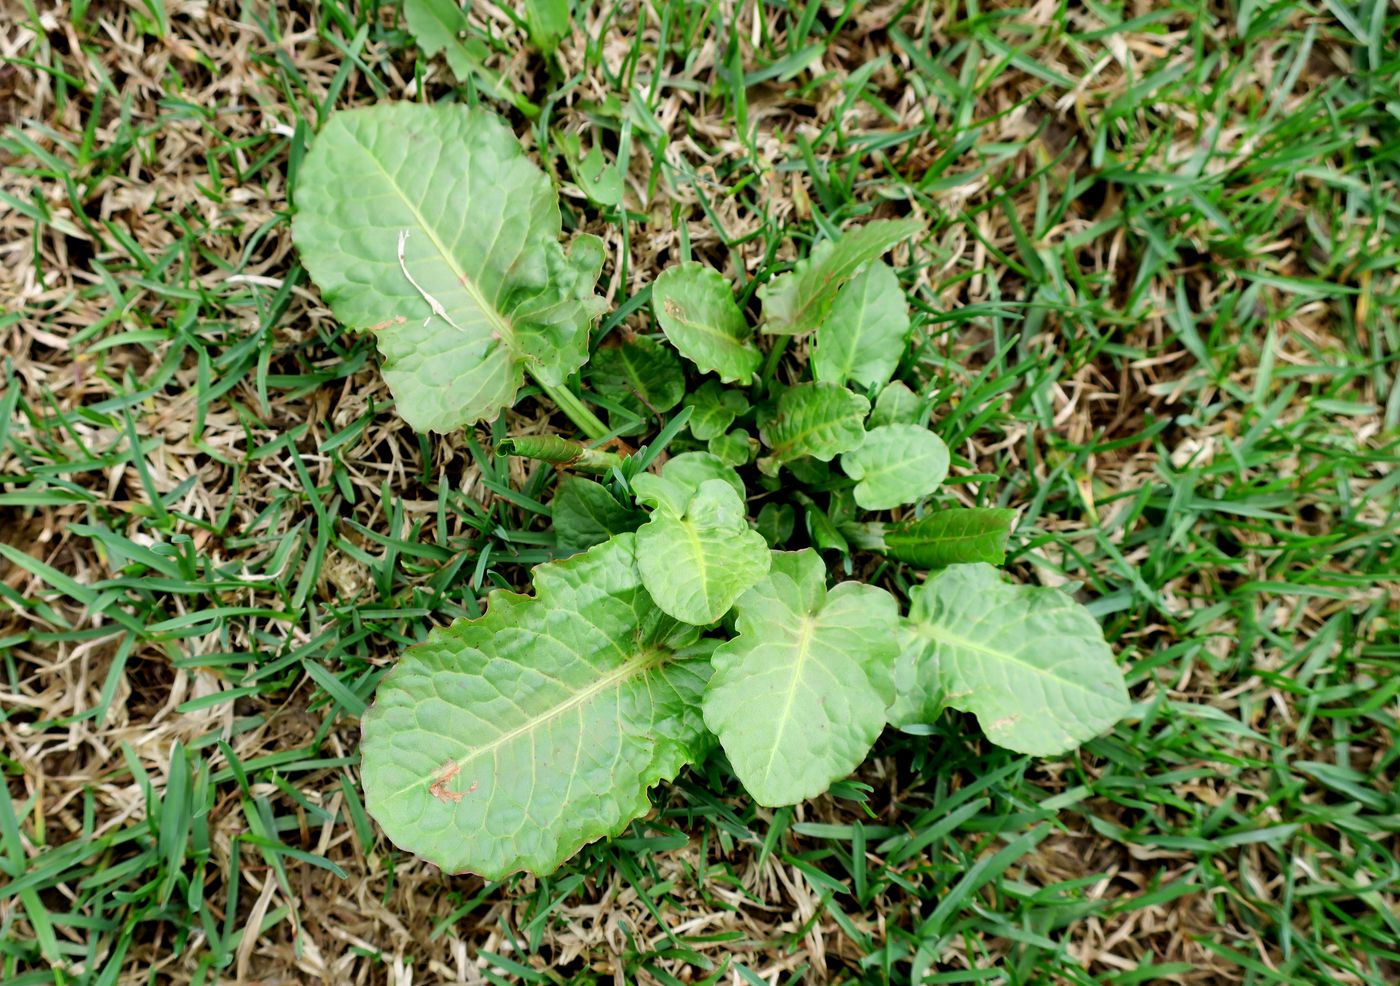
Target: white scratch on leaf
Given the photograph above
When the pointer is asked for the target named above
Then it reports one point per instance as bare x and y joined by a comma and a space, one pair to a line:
433, 303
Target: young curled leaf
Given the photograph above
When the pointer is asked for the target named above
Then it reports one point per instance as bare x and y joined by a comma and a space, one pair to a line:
559, 452
509, 742
799, 696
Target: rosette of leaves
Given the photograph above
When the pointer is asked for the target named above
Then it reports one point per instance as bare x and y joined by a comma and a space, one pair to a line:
507, 742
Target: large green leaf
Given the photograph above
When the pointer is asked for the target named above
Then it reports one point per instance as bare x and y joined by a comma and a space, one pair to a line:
799, 696
509, 742
896, 464
695, 307
798, 301
585, 514
1029, 662
696, 563
866, 331
442, 26
817, 419
429, 227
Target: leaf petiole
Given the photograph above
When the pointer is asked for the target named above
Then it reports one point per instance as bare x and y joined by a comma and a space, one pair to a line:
574, 409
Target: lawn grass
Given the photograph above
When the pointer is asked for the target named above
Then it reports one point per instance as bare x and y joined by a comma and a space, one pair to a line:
1157, 303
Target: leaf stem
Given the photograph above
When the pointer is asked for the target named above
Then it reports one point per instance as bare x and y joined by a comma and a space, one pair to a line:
770, 365
574, 409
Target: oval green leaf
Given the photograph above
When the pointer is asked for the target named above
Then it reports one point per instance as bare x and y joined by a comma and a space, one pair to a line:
585, 514
509, 742
864, 335
953, 536
713, 409
820, 420
896, 464
695, 308
697, 563
642, 375
898, 405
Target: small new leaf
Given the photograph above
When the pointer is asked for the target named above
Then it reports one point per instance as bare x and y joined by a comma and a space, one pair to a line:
799, 696
697, 563
865, 333
642, 375
442, 26
896, 464
509, 742
1030, 663
798, 301
735, 448
585, 514
898, 405
429, 227
821, 420
713, 409
695, 308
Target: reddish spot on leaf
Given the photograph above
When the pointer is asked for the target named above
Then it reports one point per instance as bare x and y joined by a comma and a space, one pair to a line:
438, 788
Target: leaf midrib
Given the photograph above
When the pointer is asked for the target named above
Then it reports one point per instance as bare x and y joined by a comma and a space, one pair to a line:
944, 636
496, 317
643, 661
799, 437
804, 648
894, 467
